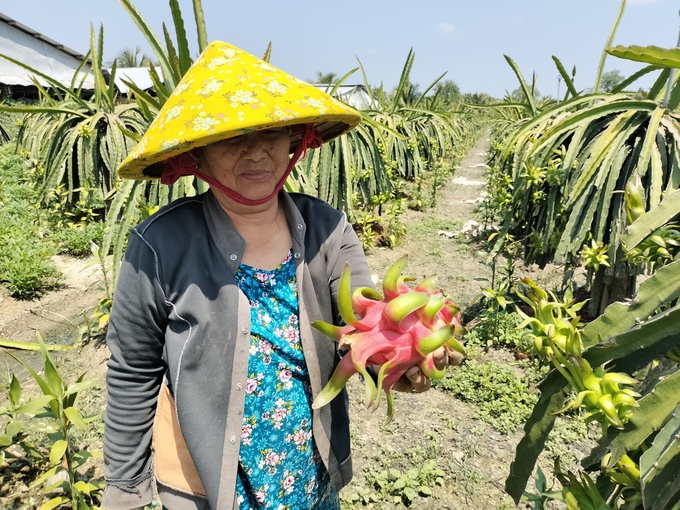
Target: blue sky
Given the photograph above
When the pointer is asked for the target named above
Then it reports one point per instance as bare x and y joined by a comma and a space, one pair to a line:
467, 39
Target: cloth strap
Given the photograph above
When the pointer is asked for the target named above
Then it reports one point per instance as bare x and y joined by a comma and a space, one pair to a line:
184, 164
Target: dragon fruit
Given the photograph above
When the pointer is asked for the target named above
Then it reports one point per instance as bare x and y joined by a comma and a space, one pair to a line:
397, 331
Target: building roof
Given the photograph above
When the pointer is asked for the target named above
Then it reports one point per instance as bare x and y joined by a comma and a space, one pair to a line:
137, 75
353, 95
41, 37
38, 51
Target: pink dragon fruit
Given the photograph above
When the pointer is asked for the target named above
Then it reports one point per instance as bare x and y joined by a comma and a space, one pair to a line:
399, 331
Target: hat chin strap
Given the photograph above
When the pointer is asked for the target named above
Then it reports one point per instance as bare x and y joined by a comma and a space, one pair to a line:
184, 164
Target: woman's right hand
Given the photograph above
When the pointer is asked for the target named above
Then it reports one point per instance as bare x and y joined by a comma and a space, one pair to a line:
414, 380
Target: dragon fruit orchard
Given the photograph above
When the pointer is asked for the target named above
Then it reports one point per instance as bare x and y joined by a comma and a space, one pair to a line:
397, 331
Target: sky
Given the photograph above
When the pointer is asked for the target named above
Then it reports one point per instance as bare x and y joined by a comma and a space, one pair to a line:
467, 39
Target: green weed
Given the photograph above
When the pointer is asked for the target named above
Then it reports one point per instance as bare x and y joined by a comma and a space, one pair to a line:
436, 251
398, 486
57, 406
503, 399
26, 268
429, 226
566, 433
15, 432
77, 239
498, 329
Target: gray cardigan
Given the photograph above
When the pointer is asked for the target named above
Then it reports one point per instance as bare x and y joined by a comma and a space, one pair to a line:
179, 317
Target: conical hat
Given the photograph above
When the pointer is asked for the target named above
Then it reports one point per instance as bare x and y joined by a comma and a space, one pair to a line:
228, 92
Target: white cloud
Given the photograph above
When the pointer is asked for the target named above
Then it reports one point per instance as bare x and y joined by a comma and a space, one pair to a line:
447, 28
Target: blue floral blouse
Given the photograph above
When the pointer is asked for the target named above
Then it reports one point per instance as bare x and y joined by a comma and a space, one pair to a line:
279, 465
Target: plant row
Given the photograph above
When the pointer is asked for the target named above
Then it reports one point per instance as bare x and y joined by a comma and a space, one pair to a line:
592, 180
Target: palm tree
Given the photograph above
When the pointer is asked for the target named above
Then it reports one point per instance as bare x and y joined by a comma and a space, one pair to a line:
448, 90
410, 94
130, 58
325, 78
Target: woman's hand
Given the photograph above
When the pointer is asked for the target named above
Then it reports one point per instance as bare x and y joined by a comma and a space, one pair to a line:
415, 380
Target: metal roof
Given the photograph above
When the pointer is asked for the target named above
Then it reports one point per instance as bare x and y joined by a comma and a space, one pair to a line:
38, 51
137, 75
41, 37
353, 95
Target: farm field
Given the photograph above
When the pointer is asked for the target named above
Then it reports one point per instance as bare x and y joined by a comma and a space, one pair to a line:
551, 225
430, 427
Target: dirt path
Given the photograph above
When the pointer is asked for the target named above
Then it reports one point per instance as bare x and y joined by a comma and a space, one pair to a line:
20, 319
431, 251
435, 425
58, 315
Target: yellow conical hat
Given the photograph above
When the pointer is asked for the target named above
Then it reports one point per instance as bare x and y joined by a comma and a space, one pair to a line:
228, 92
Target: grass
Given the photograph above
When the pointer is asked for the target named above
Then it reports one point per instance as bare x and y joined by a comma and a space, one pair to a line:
436, 250
429, 226
26, 268
502, 398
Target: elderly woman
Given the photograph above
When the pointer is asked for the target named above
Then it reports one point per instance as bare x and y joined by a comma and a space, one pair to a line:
213, 362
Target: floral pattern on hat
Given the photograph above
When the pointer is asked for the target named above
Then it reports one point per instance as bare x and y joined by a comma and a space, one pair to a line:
228, 92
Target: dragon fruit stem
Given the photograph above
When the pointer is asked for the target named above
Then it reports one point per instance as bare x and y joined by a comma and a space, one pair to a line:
456, 345
368, 293
345, 297
432, 307
372, 392
381, 377
364, 297
390, 405
330, 330
429, 368
453, 308
427, 285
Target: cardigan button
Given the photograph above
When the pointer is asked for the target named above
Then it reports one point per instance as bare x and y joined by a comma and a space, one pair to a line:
297, 255
232, 439
233, 256
300, 227
245, 331
239, 386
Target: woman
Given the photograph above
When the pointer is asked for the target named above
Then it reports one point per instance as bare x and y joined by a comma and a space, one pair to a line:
213, 362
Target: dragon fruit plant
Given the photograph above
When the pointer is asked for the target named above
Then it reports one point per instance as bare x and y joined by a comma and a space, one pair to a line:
396, 332
559, 340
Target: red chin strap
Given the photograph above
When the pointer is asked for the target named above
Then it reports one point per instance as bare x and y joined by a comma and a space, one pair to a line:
184, 164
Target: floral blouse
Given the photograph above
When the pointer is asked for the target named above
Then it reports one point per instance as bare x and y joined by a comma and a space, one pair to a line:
279, 466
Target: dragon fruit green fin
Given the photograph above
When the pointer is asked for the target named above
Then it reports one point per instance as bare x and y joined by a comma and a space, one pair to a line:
345, 297
343, 372
391, 280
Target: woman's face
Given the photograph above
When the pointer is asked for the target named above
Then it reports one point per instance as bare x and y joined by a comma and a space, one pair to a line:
251, 164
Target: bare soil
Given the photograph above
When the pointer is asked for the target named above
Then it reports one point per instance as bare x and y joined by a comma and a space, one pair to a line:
82, 288
433, 424
57, 316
